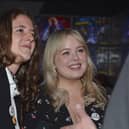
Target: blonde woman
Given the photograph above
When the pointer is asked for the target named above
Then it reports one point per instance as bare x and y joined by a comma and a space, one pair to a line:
70, 98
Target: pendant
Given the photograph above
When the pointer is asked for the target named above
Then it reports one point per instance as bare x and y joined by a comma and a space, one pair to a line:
12, 114
95, 116
11, 110
14, 120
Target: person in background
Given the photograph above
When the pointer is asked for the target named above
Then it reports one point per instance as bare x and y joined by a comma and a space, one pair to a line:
69, 98
18, 67
117, 114
53, 24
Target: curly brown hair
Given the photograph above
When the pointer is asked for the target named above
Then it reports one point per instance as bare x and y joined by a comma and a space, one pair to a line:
27, 75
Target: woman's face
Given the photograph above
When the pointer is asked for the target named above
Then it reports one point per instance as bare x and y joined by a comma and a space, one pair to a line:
71, 59
23, 42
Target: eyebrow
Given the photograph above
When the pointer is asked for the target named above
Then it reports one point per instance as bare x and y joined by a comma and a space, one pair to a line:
81, 46
65, 49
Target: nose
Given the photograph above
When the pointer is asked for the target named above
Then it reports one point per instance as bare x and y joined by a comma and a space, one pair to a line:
75, 56
30, 37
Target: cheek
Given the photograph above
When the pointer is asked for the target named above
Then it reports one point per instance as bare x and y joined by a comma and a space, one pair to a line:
84, 57
85, 61
14, 47
15, 42
57, 62
60, 63
33, 47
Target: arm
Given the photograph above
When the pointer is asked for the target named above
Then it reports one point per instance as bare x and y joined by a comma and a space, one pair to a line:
117, 114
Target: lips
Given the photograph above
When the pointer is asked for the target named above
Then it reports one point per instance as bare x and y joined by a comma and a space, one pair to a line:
75, 66
27, 46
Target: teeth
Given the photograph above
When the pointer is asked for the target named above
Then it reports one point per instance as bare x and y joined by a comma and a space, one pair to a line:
75, 66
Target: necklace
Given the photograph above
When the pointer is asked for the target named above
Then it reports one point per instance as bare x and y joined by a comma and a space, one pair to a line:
13, 92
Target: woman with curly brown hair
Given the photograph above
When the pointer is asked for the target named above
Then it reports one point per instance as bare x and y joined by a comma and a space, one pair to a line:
19, 64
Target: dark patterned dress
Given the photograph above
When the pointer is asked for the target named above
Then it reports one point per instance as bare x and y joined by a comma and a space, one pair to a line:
46, 118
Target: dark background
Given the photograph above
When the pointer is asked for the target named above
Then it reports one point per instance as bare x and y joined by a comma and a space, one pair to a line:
118, 11
69, 7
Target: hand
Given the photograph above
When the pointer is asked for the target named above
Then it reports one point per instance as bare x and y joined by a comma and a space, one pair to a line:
83, 121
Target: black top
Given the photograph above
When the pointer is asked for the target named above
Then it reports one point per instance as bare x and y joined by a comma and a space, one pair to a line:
5, 102
46, 118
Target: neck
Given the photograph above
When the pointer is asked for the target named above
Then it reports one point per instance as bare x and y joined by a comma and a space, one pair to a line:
70, 85
13, 68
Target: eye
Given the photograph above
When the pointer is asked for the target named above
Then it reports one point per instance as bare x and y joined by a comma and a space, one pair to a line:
20, 30
81, 50
66, 53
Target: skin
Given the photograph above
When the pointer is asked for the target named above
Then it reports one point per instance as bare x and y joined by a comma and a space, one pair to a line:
23, 43
71, 60
71, 64
83, 122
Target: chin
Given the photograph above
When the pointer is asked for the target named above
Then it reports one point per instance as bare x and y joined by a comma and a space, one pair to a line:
22, 59
26, 60
76, 77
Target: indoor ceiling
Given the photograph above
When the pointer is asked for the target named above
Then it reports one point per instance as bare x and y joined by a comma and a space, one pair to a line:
87, 8
68, 7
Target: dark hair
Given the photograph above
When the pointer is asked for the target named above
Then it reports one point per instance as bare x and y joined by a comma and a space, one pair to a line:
6, 56
27, 75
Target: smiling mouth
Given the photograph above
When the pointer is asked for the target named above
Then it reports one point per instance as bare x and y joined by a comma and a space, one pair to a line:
27, 46
75, 66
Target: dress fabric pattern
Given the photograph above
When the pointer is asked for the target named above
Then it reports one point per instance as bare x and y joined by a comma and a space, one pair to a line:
46, 118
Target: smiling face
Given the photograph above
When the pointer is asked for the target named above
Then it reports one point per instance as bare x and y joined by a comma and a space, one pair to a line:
23, 42
71, 59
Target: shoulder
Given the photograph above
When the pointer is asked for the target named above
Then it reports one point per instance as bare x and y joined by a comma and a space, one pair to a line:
43, 97
2, 70
3, 76
43, 101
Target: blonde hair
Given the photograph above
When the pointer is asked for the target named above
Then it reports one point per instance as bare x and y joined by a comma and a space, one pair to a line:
91, 91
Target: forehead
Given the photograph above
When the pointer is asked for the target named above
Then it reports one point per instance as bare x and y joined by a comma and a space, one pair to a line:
71, 42
22, 20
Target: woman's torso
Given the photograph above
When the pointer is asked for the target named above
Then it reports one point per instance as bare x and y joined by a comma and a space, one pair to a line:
46, 113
